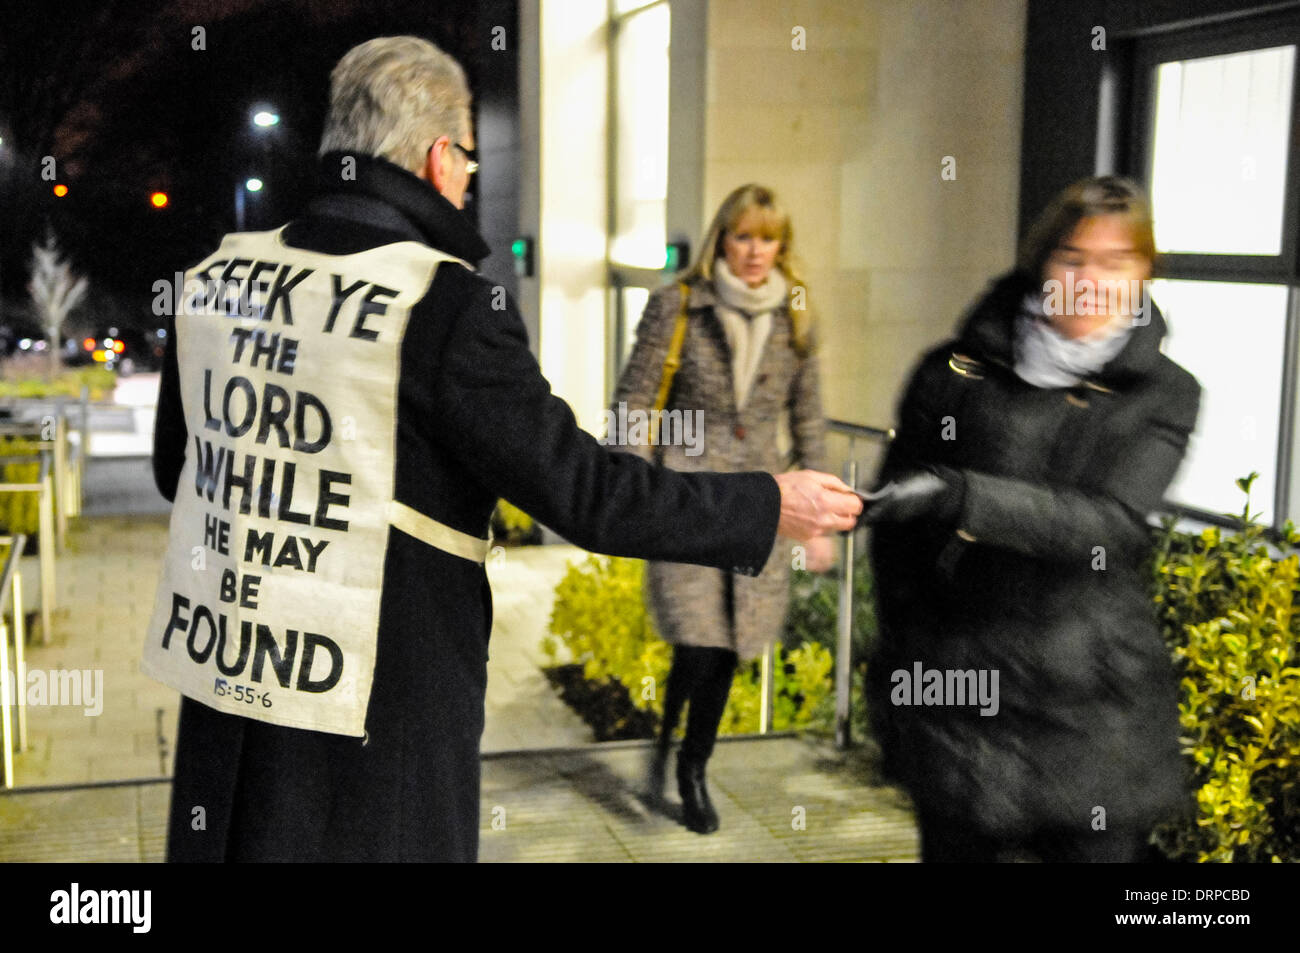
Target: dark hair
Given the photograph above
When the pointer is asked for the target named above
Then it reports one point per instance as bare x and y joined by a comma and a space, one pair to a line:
1087, 198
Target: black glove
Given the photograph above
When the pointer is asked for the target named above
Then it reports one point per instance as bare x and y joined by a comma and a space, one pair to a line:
936, 493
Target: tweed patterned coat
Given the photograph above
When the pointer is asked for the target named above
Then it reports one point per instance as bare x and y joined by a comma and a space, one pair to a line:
690, 603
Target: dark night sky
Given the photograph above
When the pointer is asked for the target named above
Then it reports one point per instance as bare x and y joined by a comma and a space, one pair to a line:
118, 95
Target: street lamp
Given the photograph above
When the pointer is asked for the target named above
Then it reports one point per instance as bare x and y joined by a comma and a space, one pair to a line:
252, 184
262, 118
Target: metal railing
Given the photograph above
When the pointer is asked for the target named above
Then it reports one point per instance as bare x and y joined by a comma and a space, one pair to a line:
59, 485
844, 623
58, 488
879, 437
11, 585
30, 418
44, 488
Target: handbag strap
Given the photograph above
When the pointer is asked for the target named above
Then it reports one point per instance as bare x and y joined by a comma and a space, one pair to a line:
671, 363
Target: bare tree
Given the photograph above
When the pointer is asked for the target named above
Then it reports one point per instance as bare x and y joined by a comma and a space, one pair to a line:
55, 291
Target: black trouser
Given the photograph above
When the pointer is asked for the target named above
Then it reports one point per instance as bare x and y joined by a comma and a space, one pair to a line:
951, 840
701, 676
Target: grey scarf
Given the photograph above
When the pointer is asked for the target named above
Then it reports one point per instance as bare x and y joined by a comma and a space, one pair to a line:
1046, 358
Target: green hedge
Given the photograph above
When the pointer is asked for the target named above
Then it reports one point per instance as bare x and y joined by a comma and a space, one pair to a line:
814, 617
1227, 603
19, 510
98, 380
600, 617
512, 525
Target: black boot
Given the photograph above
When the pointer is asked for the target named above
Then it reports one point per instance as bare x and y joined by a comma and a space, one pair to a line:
658, 768
697, 810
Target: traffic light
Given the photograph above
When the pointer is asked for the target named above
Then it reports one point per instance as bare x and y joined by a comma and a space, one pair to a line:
522, 250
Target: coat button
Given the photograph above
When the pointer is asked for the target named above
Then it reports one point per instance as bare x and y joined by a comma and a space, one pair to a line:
739, 432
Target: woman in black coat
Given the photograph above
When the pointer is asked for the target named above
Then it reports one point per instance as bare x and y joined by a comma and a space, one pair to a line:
1020, 689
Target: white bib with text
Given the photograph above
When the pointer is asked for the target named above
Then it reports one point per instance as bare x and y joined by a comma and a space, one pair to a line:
269, 600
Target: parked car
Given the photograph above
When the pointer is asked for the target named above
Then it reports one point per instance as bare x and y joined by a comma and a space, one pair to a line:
125, 350
17, 336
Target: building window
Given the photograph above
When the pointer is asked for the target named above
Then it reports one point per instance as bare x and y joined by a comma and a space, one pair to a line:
640, 148
1223, 120
638, 161
1214, 140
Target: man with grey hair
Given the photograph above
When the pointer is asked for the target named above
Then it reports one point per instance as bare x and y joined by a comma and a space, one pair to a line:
386, 96
324, 607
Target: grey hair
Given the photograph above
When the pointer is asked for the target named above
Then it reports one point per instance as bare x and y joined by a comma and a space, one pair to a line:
392, 97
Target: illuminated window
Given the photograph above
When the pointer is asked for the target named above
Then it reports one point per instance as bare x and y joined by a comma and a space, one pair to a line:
1213, 111
1232, 337
640, 125
1223, 120
639, 50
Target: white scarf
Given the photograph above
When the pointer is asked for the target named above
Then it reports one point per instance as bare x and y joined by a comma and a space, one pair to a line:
746, 316
1046, 358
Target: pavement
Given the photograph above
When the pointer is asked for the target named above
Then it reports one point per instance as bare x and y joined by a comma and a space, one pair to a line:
93, 781
135, 399
780, 799
105, 586
523, 710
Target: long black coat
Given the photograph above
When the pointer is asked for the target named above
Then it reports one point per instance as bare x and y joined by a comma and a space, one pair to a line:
1039, 580
475, 421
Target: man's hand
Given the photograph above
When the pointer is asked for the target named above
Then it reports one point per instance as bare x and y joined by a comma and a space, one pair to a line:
814, 504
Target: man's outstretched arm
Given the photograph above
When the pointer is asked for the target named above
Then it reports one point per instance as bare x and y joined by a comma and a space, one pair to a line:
496, 414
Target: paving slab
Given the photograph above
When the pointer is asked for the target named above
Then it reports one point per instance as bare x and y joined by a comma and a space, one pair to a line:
576, 805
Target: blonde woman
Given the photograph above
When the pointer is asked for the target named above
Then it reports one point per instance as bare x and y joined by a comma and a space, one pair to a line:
747, 359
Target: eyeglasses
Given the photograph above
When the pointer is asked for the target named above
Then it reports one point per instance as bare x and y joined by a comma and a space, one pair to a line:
471, 158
